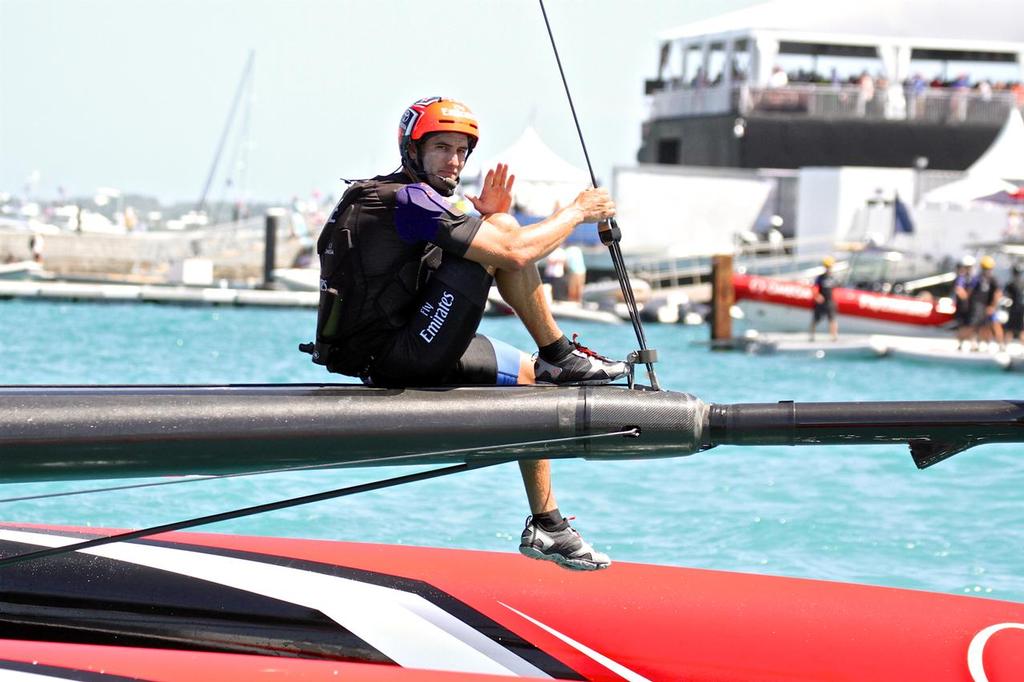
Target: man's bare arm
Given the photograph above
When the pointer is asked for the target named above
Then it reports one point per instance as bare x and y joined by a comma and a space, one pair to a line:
502, 243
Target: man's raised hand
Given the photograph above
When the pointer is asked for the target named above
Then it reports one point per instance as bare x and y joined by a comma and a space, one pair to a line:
496, 192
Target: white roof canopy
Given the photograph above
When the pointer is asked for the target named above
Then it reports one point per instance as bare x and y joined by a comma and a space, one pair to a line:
986, 22
895, 32
543, 179
1001, 162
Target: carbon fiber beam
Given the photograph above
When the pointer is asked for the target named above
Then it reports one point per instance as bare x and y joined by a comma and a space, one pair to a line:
934, 430
62, 432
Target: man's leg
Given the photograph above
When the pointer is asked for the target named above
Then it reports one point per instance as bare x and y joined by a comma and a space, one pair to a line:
522, 290
446, 315
547, 535
558, 359
537, 479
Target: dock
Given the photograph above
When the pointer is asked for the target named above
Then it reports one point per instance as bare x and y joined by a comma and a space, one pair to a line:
914, 348
156, 293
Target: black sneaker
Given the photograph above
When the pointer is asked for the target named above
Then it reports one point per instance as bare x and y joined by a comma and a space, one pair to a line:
580, 366
565, 547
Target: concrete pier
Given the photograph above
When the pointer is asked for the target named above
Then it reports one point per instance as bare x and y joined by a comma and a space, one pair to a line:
151, 293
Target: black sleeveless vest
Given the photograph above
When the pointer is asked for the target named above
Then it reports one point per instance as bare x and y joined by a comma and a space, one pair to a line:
368, 276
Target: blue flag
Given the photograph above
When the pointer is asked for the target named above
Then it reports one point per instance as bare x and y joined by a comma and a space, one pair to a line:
901, 218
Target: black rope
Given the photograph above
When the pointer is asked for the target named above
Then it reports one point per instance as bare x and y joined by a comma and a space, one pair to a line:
396, 459
248, 511
613, 228
298, 501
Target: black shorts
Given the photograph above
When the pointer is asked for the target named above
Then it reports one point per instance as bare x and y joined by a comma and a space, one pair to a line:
1015, 321
962, 316
439, 345
979, 316
826, 309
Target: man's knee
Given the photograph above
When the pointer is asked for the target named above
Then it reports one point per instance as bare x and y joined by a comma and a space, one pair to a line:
503, 221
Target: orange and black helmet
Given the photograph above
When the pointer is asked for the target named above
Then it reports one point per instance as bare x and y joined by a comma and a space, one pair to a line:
435, 115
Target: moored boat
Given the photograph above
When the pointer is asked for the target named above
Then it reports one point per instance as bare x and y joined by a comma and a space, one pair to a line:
777, 305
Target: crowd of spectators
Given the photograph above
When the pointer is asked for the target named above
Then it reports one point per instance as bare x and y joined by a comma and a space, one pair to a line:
915, 85
916, 97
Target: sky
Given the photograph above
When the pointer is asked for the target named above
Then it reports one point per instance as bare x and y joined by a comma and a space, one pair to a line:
135, 94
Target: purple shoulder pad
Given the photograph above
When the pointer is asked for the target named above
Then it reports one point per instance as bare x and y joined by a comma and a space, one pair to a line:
418, 212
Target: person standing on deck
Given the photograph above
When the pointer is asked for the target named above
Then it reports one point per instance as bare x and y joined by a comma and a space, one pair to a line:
962, 299
1014, 327
404, 280
824, 306
984, 299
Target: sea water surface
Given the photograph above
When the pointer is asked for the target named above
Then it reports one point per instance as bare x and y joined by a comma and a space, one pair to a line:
856, 514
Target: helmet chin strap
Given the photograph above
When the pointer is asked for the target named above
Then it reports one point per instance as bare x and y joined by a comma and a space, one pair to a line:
444, 186
448, 185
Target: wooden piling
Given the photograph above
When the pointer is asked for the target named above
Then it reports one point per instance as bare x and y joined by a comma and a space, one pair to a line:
722, 298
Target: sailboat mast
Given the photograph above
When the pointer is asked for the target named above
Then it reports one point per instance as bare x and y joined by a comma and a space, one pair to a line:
246, 75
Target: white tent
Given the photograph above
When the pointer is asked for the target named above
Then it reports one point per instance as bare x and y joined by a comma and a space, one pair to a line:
1005, 157
1001, 162
543, 179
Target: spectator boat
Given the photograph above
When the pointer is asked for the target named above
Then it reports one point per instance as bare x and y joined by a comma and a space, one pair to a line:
777, 305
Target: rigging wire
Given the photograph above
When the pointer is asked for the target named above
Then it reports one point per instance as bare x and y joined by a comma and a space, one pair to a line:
310, 467
295, 501
249, 511
611, 234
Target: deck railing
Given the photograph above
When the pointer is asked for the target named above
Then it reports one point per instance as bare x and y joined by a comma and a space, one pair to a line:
934, 105
762, 258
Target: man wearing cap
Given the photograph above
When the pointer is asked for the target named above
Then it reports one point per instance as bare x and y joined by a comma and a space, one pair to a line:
824, 305
404, 279
984, 299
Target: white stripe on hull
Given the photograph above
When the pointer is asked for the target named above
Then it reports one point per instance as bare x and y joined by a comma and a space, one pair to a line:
405, 627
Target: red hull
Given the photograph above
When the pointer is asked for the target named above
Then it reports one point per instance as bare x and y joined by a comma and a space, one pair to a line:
632, 621
852, 302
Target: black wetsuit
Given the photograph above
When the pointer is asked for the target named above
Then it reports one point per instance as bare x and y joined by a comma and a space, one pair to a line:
982, 295
962, 314
408, 302
1015, 292
824, 284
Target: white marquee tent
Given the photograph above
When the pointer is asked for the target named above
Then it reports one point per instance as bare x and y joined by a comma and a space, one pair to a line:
1002, 161
544, 180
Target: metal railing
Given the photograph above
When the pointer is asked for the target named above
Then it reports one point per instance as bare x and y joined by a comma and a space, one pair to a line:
934, 105
763, 258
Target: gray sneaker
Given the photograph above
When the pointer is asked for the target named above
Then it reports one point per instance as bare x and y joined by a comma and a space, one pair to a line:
565, 547
582, 366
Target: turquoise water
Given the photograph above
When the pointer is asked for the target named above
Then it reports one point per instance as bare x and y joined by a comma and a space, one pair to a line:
856, 514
